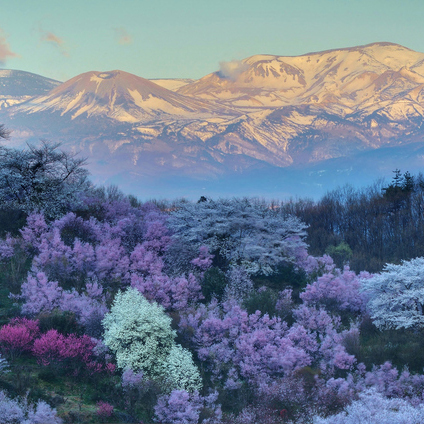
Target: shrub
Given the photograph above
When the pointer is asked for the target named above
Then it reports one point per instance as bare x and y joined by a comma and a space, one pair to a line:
104, 409
18, 336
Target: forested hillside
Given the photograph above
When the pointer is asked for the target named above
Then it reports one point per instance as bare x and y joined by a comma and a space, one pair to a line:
216, 311
367, 227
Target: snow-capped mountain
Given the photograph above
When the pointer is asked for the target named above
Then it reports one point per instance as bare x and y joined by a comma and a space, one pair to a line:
118, 95
343, 80
320, 105
263, 112
19, 86
172, 84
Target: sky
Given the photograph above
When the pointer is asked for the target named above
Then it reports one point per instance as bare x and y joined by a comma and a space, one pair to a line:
190, 38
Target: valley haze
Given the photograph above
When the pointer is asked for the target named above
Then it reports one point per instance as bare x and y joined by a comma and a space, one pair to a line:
271, 126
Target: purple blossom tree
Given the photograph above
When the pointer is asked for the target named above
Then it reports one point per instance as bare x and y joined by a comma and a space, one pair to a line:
337, 291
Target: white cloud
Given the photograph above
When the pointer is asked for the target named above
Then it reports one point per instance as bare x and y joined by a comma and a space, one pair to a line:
232, 70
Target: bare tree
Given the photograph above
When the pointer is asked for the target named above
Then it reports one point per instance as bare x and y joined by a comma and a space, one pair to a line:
4, 133
41, 178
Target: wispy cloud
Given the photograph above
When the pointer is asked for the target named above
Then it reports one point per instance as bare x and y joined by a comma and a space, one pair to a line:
54, 40
5, 51
122, 36
231, 70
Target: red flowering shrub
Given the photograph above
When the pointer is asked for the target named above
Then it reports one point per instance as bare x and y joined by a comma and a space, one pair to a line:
18, 336
74, 351
104, 409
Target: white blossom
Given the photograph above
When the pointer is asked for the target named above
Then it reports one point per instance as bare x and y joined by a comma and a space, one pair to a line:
138, 332
396, 295
180, 371
243, 231
140, 335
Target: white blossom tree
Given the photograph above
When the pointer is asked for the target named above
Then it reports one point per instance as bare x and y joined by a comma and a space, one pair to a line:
140, 335
396, 295
180, 371
4, 133
372, 407
242, 232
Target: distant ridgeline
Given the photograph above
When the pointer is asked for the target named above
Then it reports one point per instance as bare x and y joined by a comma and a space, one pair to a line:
269, 125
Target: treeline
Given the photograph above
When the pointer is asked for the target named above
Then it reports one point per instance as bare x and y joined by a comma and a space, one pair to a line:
366, 227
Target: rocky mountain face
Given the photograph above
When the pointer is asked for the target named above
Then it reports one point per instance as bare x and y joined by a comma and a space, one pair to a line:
264, 115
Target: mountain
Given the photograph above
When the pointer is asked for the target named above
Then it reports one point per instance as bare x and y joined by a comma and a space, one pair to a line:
287, 116
18, 86
321, 105
341, 80
118, 95
172, 84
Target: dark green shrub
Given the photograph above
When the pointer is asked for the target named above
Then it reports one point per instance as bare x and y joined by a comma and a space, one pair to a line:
213, 284
48, 375
14, 270
285, 276
341, 254
11, 221
64, 322
264, 301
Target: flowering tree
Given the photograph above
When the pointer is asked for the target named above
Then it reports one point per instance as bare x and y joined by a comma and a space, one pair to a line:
180, 371
42, 413
396, 295
179, 407
76, 258
16, 411
42, 295
140, 335
239, 232
18, 336
372, 407
76, 351
4, 133
138, 332
104, 409
337, 290
182, 407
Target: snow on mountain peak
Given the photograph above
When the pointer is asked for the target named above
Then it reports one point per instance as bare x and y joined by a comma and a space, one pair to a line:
345, 75
272, 109
118, 95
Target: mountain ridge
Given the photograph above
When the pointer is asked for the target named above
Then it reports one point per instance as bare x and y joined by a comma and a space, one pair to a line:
263, 111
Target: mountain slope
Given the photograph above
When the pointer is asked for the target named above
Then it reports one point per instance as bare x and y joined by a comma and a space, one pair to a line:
117, 95
18, 86
261, 113
347, 79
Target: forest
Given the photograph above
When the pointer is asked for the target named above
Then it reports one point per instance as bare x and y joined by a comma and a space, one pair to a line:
234, 310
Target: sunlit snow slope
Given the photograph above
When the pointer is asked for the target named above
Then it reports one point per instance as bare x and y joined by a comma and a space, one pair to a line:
261, 112
117, 95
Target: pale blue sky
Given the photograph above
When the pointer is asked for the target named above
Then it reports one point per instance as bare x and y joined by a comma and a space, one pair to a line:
188, 38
